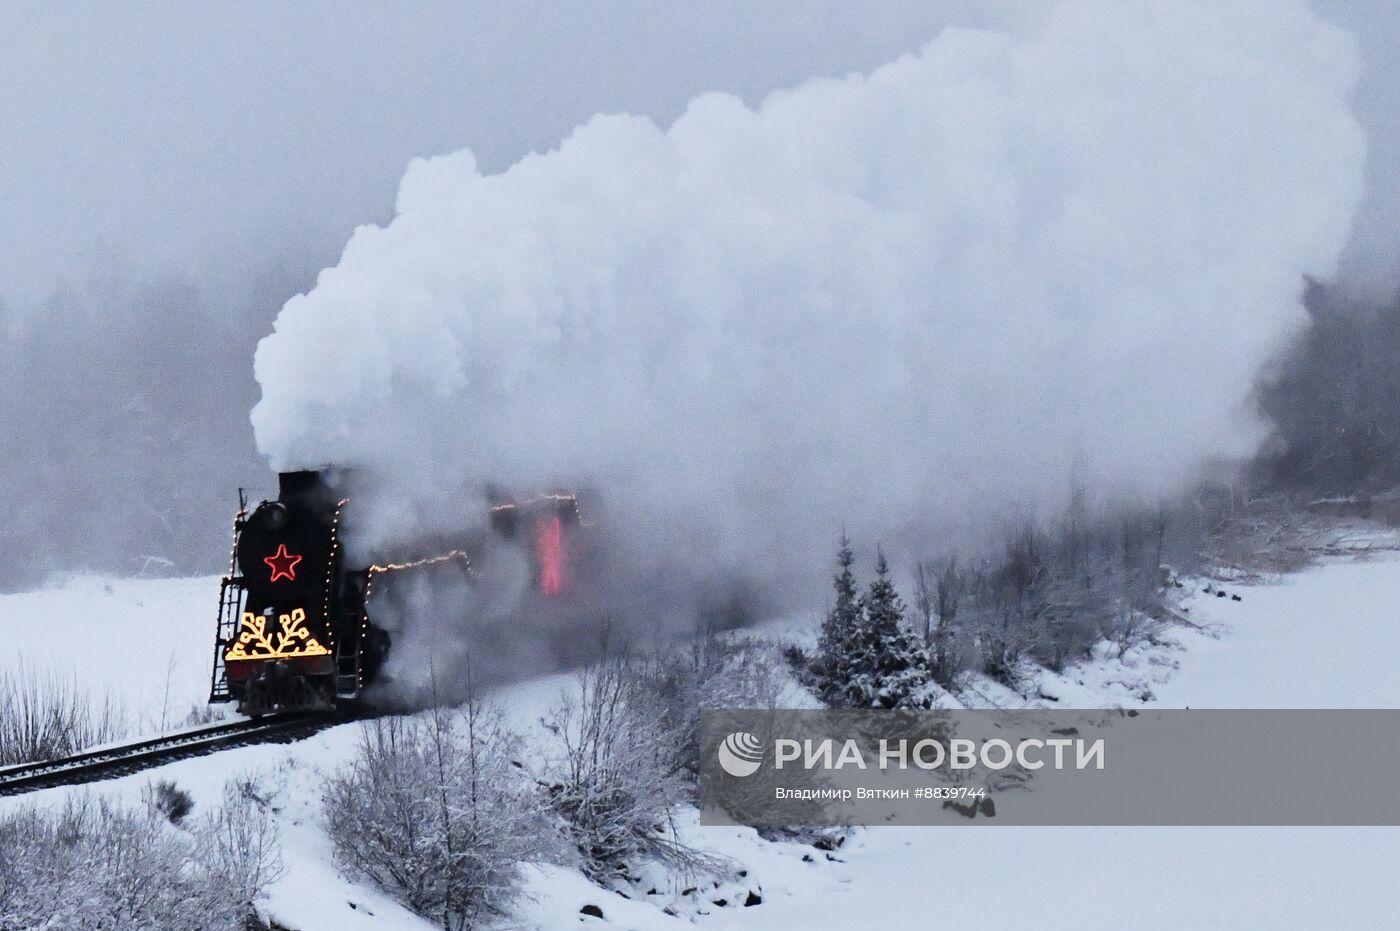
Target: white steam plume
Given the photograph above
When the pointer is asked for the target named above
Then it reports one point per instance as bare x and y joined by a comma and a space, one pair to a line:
895, 299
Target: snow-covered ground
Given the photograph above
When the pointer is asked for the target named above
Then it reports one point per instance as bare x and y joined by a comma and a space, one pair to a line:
1326, 637
149, 643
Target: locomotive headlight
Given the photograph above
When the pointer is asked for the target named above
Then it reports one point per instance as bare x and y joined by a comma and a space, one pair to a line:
274, 515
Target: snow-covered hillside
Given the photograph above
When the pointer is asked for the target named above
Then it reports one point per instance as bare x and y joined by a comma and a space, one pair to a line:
1325, 637
149, 643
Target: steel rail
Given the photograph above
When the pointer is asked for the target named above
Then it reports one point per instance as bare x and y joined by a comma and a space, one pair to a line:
120, 760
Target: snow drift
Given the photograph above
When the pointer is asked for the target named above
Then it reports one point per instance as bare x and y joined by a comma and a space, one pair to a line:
897, 300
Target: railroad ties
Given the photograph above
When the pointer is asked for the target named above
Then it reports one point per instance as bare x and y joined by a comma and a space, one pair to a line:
111, 762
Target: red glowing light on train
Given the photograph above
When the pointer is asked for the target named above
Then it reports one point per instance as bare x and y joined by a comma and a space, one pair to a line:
549, 548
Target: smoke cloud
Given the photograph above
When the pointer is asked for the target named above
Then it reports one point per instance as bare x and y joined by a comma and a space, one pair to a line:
893, 302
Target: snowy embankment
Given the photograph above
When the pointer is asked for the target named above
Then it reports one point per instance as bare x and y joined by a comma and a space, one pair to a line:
147, 643
1326, 637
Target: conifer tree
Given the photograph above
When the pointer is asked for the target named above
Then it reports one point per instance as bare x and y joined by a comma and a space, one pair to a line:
890, 666
831, 667
866, 658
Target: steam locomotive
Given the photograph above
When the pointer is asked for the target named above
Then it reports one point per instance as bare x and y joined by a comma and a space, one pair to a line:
295, 627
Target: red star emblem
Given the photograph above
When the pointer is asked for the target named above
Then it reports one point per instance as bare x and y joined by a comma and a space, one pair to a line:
282, 563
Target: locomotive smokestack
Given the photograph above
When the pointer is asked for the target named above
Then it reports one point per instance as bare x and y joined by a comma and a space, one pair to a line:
299, 484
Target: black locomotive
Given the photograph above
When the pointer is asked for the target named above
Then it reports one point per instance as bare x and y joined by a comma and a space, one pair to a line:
295, 628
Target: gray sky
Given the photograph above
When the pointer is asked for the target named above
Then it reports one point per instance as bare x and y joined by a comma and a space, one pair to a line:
203, 140
195, 139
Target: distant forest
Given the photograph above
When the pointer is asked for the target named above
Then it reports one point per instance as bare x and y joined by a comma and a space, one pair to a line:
1334, 400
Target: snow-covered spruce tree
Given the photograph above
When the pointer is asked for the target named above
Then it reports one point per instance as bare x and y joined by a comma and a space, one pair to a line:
831, 668
890, 667
866, 657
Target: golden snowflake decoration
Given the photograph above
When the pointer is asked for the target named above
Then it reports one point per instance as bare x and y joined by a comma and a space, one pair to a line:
256, 641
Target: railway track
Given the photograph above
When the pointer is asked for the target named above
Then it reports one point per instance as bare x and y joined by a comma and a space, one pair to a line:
110, 762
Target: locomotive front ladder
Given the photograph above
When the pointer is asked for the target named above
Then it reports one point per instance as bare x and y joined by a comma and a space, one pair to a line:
230, 610
347, 666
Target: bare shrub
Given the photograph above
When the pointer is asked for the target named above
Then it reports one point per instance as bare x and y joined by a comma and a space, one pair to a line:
741, 673
200, 714
27, 870
44, 715
170, 800
616, 779
431, 810
714, 672
939, 589
241, 847
1249, 535
1055, 591
95, 865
